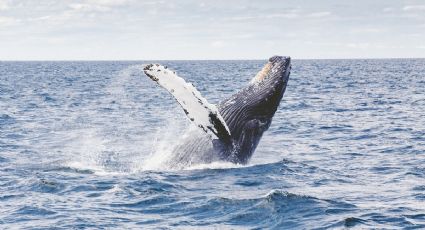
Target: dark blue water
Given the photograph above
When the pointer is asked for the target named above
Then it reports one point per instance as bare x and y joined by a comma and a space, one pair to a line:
81, 145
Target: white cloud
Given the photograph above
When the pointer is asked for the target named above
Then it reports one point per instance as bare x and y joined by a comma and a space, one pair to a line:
359, 45
175, 25
8, 21
319, 14
108, 2
102, 5
287, 15
366, 30
218, 44
4, 5
266, 16
292, 14
414, 8
388, 9
244, 36
242, 18
88, 7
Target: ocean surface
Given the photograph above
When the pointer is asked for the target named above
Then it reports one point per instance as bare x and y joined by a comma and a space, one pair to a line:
81, 146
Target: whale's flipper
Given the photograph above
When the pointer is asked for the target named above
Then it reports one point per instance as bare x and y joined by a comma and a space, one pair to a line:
196, 107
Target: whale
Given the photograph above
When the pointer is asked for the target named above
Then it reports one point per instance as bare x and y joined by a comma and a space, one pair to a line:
231, 130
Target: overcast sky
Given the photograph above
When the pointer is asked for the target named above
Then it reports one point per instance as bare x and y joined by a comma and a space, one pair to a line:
190, 29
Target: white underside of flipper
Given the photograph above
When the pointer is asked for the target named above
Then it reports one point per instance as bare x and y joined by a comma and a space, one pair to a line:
203, 114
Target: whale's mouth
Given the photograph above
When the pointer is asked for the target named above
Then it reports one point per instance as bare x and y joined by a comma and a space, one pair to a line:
275, 65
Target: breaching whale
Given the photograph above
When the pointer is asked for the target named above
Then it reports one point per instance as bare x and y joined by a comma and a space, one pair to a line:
235, 126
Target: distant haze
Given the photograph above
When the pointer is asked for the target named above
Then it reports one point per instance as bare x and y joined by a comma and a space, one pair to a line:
191, 29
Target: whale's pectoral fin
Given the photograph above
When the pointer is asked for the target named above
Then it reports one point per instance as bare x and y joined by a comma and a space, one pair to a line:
197, 109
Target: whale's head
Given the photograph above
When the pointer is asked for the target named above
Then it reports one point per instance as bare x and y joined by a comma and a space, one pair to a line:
249, 112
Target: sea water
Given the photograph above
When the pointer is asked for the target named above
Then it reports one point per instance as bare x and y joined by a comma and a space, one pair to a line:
82, 145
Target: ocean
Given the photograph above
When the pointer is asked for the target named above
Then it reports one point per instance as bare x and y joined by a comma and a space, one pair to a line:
81, 146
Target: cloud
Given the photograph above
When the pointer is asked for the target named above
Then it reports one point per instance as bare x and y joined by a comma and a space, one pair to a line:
101, 5
266, 16
369, 30
414, 8
292, 14
388, 9
319, 14
359, 45
8, 21
287, 15
88, 7
243, 18
218, 44
4, 5
108, 2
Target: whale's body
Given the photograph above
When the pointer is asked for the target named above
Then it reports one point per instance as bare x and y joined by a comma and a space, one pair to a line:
235, 126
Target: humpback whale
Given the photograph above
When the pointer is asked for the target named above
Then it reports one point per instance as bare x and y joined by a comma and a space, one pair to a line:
231, 130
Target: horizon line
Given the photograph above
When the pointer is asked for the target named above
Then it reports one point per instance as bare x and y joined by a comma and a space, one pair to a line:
235, 59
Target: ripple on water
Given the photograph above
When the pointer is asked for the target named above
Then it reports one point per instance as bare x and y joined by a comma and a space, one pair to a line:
6, 119
46, 186
34, 211
277, 209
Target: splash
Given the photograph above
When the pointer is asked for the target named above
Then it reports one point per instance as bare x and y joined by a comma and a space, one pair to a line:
114, 136
117, 136
216, 165
165, 140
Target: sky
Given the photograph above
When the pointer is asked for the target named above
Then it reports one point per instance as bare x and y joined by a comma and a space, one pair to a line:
216, 29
